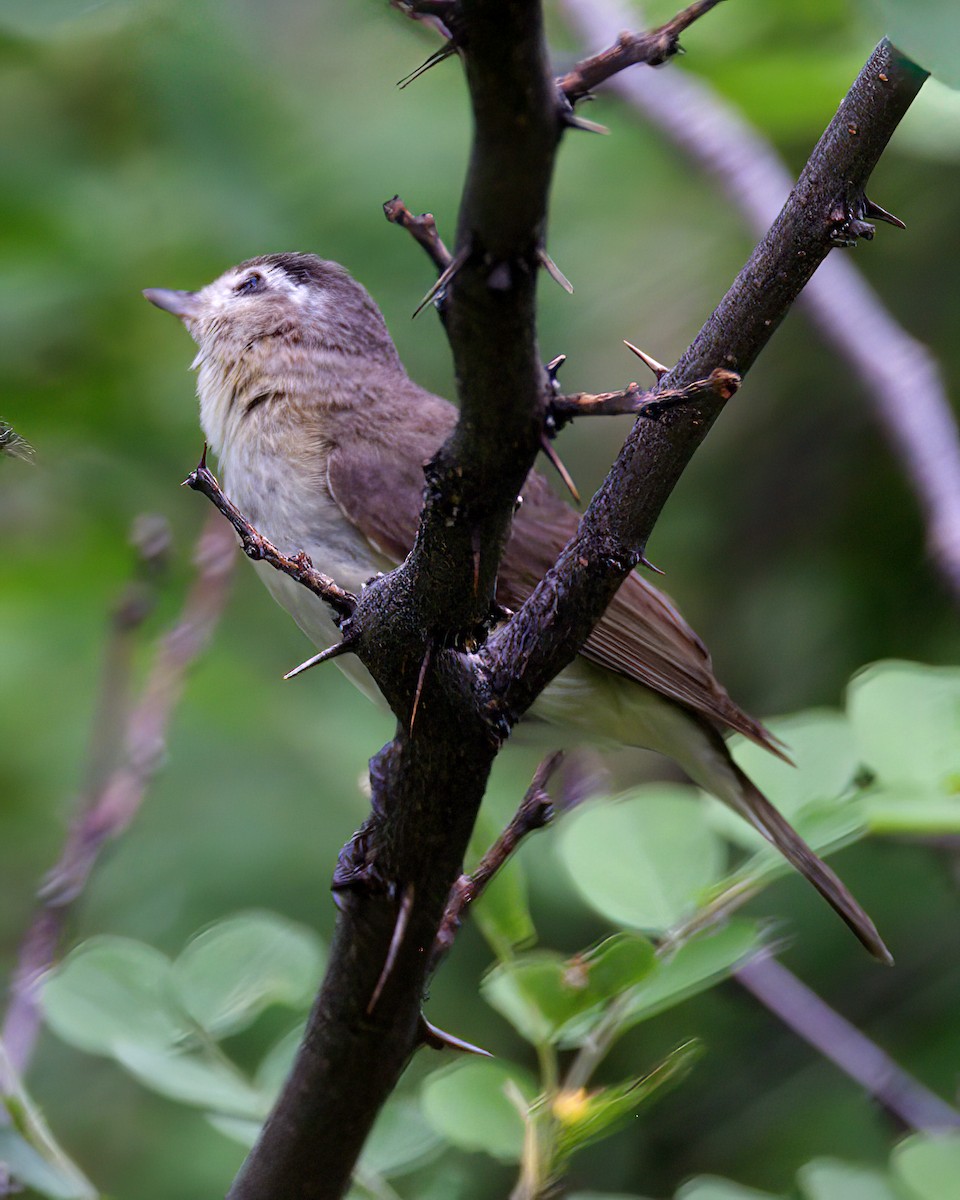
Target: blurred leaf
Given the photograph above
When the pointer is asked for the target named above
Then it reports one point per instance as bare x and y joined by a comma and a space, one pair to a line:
202, 1082
822, 746
825, 827
906, 717
829, 1179
502, 913
401, 1139
606, 972
112, 989
547, 998
467, 1104
583, 1117
912, 810
29, 1167
708, 1187
929, 1166
532, 994
276, 1063
227, 975
238, 1129
928, 31
644, 860
696, 965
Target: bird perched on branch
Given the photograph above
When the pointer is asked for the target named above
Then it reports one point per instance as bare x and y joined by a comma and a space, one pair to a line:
322, 438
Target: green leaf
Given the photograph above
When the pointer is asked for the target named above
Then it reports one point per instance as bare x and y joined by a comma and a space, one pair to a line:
400, 1140
822, 746
824, 828
110, 990
547, 998
709, 1187
467, 1104
583, 1117
602, 975
502, 913
928, 1165
532, 994
907, 722
30, 1168
203, 1082
695, 966
227, 975
241, 1130
644, 860
928, 31
830, 1179
906, 809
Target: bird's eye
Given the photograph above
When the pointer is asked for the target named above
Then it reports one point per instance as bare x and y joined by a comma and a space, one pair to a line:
252, 283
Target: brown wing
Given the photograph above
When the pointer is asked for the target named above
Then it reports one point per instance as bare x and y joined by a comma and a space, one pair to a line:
641, 635
379, 485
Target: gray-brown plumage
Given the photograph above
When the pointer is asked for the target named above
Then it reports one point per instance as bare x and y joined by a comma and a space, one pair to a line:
322, 438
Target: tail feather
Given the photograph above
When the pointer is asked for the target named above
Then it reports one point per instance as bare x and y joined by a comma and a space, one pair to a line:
757, 809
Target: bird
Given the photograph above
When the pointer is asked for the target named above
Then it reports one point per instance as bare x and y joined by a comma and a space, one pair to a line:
322, 437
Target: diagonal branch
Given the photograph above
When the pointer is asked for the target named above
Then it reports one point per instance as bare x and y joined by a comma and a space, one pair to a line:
256, 546
631, 49
901, 378
394, 879
613, 532
822, 1027
535, 811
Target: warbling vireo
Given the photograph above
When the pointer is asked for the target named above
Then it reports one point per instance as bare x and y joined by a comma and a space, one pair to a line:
322, 438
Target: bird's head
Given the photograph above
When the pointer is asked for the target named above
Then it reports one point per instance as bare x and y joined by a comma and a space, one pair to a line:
293, 299
292, 327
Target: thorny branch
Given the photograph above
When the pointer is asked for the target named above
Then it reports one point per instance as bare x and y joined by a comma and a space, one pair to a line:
844, 308
535, 811
404, 862
256, 546
640, 402
630, 49
422, 228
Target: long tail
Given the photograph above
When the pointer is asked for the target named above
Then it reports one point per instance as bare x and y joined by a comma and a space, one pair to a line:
753, 805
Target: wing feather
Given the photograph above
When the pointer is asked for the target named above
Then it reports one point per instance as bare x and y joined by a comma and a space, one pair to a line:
379, 487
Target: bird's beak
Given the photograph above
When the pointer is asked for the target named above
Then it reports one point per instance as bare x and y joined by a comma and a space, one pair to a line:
182, 304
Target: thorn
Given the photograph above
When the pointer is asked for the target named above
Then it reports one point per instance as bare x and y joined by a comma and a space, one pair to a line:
444, 278
553, 367
192, 480
445, 51
439, 1039
877, 213
577, 122
656, 367
645, 562
547, 447
424, 667
554, 271
396, 941
333, 651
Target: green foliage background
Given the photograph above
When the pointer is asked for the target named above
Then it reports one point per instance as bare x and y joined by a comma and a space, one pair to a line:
153, 144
